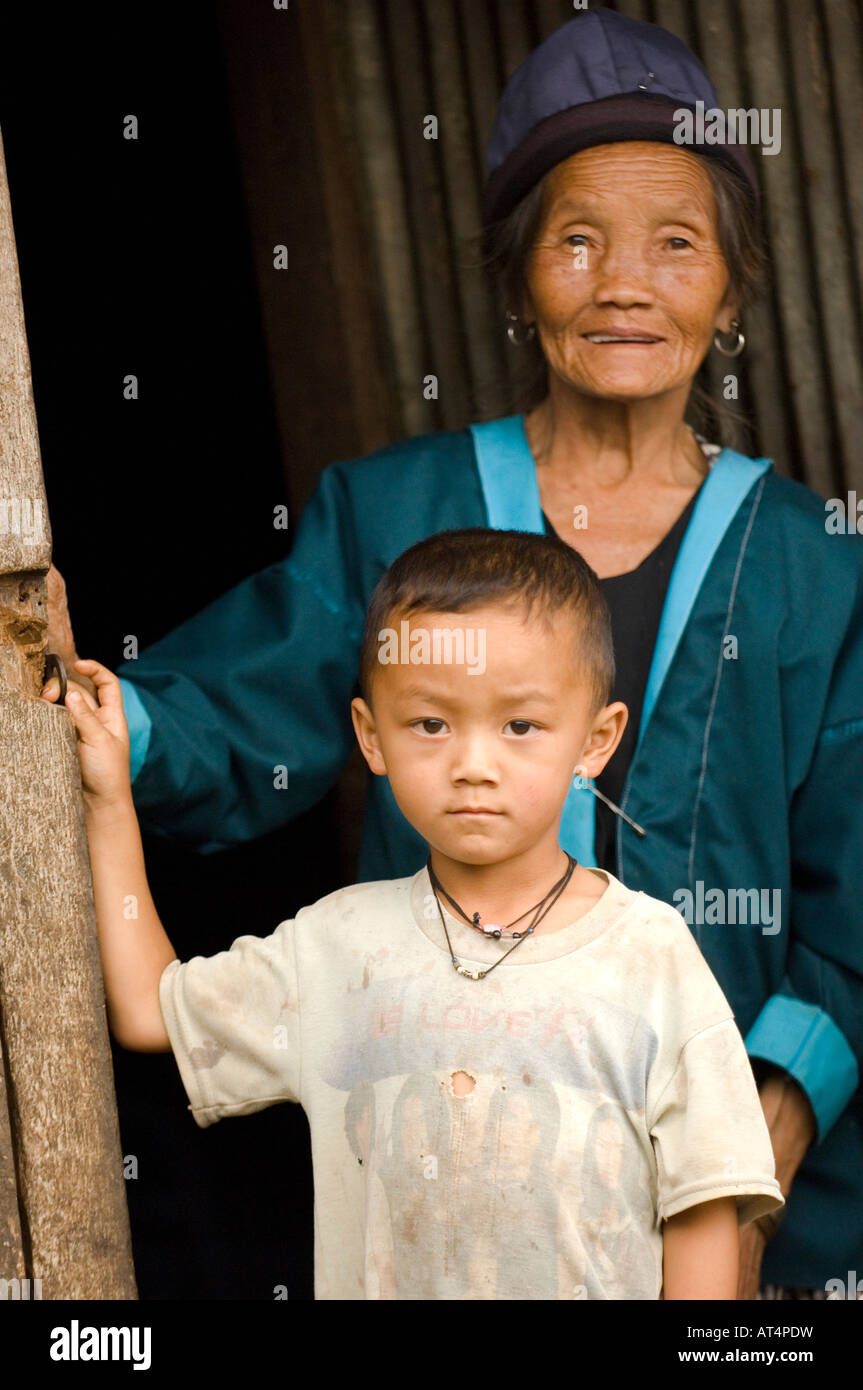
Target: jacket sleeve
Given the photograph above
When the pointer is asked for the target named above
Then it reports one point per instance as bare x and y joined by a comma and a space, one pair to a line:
812, 1026
239, 719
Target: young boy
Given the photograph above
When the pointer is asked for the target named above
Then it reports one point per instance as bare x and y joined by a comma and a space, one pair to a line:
521, 1078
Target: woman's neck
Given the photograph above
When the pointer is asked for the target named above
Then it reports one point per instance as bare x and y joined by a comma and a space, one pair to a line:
611, 443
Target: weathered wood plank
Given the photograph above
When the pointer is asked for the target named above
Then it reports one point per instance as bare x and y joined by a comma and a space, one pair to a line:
58, 1059
63, 1216
12, 1265
25, 532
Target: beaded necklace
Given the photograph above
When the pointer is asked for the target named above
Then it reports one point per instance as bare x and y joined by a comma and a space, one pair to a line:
540, 908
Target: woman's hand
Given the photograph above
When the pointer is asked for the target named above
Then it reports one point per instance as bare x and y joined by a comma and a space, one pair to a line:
752, 1247
103, 737
61, 639
791, 1124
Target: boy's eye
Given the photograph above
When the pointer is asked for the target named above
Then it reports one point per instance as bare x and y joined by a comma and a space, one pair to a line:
423, 725
521, 727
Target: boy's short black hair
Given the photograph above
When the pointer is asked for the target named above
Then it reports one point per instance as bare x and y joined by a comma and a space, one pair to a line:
456, 571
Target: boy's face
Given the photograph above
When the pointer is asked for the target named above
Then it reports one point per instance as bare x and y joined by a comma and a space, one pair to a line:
480, 754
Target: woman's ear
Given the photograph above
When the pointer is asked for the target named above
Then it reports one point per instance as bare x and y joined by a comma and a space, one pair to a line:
729, 310
523, 304
525, 310
366, 731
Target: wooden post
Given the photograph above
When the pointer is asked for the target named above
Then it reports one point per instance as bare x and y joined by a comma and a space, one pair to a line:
63, 1215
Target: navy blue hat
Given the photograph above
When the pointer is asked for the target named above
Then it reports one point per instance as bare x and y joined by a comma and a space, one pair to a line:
598, 79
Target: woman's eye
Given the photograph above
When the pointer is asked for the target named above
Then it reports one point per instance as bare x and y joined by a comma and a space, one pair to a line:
521, 727
680, 238
575, 235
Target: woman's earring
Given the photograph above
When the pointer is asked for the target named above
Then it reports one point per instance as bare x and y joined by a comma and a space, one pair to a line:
512, 330
739, 345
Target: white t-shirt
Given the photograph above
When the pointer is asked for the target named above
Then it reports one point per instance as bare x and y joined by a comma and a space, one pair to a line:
612, 1089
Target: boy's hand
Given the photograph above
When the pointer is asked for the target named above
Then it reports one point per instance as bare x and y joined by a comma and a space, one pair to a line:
103, 735
61, 638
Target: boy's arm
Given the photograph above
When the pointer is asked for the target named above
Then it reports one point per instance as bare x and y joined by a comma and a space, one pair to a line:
132, 941
700, 1251
133, 946
713, 1152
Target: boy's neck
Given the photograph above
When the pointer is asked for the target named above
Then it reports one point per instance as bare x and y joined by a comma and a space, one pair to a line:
500, 892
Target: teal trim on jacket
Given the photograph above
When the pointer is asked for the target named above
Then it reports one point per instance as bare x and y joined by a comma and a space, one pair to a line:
140, 725
805, 1041
746, 775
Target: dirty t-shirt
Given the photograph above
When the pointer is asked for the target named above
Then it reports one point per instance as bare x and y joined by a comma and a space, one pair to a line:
611, 1089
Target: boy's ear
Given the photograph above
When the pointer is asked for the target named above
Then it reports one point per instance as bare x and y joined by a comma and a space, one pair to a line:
367, 736
605, 734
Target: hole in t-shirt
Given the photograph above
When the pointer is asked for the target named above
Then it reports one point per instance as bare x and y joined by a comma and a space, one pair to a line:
462, 1083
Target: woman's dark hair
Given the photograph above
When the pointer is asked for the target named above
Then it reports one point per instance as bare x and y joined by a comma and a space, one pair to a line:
505, 248
456, 571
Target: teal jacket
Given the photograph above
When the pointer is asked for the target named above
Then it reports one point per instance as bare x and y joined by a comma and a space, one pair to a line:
747, 774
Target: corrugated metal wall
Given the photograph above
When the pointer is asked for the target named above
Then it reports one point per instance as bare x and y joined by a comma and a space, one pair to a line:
801, 375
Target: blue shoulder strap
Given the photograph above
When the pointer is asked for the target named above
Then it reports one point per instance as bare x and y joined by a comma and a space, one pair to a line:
509, 484
722, 492
507, 475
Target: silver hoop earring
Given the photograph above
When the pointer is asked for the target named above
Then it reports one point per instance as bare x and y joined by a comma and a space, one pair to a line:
512, 330
739, 345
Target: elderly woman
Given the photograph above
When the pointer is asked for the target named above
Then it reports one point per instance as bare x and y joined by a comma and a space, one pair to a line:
736, 618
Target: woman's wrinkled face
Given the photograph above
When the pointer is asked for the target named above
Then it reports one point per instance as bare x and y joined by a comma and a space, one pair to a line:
628, 245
